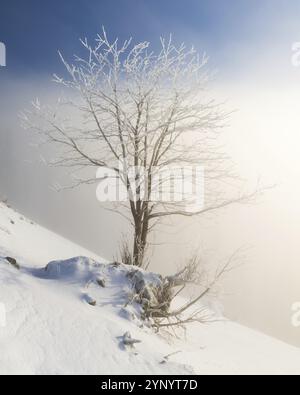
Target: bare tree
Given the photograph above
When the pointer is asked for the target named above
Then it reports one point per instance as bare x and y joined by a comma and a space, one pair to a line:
131, 108
194, 310
157, 297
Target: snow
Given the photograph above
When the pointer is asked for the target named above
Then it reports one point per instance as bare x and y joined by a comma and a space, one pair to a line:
53, 328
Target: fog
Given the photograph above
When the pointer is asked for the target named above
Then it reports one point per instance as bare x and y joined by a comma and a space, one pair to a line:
263, 140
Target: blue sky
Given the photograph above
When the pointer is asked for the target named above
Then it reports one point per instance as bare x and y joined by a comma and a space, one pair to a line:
34, 30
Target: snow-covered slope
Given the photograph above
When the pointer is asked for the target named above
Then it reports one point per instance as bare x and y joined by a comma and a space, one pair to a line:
51, 327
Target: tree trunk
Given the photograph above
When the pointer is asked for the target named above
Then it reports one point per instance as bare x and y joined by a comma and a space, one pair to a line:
140, 241
137, 258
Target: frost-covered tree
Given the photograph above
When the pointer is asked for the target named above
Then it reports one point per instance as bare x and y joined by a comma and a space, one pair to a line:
128, 107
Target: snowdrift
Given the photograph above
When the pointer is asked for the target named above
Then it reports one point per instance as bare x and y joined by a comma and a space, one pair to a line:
69, 316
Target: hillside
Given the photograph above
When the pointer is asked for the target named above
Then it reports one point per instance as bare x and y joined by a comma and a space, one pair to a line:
60, 321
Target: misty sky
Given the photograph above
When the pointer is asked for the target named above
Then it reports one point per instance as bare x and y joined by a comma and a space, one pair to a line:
249, 42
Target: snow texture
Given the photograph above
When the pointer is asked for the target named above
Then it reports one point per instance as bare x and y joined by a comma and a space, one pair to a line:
60, 320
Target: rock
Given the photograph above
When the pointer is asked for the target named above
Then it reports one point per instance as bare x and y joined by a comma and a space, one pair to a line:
91, 301
101, 282
13, 262
129, 341
167, 357
147, 287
